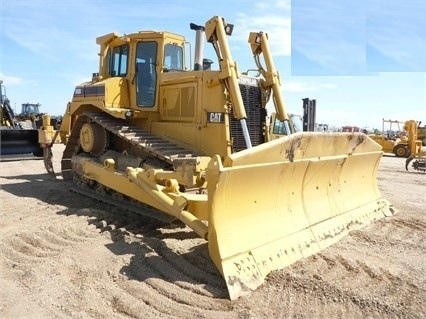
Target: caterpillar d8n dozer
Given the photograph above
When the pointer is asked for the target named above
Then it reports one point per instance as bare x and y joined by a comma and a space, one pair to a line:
17, 136
191, 143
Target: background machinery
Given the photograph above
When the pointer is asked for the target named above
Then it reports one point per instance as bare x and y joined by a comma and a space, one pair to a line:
17, 135
277, 129
192, 145
417, 156
421, 133
296, 123
395, 141
309, 115
31, 114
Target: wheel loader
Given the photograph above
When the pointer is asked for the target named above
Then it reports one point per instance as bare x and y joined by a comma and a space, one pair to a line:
191, 144
17, 136
30, 113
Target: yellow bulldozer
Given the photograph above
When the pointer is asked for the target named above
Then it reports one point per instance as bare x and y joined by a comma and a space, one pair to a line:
191, 143
417, 156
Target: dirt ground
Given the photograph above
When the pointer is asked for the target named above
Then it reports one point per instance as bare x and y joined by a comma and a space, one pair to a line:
66, 256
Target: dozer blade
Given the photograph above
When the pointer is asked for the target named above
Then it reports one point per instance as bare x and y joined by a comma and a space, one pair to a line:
276, 203
20, 141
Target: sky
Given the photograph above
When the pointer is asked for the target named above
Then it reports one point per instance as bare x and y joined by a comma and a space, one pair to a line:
361, 60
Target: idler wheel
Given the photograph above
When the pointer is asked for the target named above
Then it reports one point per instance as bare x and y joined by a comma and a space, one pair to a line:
93, 139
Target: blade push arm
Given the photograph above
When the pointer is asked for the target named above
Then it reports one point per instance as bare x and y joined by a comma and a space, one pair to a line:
259, 45
216, 31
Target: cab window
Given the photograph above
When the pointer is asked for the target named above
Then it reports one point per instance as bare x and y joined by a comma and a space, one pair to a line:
146, 73
173, 58
278, 127
119, 59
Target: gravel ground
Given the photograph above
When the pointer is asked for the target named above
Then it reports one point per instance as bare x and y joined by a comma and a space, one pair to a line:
67, 256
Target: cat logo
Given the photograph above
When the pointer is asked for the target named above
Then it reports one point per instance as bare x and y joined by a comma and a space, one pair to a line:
215, 117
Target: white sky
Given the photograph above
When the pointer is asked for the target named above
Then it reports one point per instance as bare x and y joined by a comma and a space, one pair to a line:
361, 60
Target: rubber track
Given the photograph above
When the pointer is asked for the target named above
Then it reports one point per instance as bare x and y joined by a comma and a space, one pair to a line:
152, 144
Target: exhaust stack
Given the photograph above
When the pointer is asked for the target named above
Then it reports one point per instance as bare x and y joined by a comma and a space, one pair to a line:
199, 46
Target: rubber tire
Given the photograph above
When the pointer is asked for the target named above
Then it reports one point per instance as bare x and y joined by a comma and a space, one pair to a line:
401, 151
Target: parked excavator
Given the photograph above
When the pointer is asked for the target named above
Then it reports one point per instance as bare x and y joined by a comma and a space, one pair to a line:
191, 144
16, 136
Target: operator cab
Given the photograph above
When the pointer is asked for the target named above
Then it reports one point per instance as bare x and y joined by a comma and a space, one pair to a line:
28, 108
153, 53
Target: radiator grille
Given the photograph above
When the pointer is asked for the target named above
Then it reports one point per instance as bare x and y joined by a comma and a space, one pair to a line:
256, 116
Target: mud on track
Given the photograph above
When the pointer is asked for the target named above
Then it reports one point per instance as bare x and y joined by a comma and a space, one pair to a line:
67, 256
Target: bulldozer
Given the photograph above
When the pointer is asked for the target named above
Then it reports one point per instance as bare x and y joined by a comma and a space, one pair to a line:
417, 156
190, 143
17, 136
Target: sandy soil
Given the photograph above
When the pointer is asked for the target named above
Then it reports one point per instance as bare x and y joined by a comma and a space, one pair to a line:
67, 256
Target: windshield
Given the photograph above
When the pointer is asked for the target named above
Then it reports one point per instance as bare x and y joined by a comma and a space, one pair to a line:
297, 122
